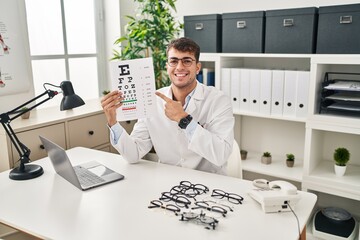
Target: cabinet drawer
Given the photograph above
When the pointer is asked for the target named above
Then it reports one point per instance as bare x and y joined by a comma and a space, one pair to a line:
88, 132
55, 133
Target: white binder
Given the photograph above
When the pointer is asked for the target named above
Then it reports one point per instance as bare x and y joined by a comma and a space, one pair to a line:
265, 92
303, 83
244, 89
235, 88
225, 84
290, 94
254, 103
277, 92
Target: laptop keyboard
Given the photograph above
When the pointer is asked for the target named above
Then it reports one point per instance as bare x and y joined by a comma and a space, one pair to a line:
86, 177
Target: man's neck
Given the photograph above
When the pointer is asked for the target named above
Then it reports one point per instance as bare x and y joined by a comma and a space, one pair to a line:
179, 94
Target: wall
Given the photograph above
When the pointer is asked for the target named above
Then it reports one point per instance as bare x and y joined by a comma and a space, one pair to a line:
8, 102
197, 7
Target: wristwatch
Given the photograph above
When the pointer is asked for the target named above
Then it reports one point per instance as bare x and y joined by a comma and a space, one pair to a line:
184, 122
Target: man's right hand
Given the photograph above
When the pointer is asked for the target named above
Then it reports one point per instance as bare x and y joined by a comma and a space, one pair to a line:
110, 102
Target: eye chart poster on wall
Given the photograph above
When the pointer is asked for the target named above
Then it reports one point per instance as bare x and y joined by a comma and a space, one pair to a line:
135, 79
14, 59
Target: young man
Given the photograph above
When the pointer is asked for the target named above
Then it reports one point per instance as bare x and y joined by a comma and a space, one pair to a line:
194, 125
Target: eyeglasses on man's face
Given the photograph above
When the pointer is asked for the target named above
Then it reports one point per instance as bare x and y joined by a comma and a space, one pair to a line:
186, 61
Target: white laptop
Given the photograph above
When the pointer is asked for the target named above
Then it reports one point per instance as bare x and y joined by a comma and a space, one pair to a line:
85, 176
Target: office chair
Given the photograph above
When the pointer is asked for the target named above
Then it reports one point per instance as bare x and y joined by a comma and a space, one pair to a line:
234, 162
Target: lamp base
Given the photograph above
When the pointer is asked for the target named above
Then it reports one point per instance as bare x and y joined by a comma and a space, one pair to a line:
30, 171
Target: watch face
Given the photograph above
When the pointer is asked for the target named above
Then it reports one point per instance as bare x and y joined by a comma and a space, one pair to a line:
185, 121
337, 214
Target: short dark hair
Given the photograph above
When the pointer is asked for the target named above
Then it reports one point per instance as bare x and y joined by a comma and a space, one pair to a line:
185, 44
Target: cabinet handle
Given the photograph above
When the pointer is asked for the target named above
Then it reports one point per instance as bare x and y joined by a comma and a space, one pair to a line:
42, 146
91, 132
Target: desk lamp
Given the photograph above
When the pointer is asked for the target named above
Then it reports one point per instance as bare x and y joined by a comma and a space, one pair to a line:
29, 171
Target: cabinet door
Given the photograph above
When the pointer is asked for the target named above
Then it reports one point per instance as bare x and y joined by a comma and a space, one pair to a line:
55, 133
88, 132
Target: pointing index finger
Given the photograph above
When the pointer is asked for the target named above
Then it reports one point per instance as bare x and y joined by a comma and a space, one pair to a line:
165, 98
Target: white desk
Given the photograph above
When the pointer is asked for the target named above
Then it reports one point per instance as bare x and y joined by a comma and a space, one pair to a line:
51, 208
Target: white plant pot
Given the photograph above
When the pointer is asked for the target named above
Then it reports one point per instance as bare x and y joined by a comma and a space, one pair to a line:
339, 170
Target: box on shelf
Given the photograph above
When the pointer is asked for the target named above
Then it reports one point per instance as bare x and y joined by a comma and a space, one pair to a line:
243, 32
205, 30
291, 30
338, 29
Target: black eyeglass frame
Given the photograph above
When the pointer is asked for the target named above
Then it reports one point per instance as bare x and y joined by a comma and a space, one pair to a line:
231, 197
170, 207
186, 61
179, 199
205, 205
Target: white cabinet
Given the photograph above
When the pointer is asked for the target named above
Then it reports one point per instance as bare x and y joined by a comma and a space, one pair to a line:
83, 126
312, 138
87, 132
32, 141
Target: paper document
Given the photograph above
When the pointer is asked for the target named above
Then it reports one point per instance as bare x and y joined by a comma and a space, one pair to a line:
355, 107
344, 85
345, 96
135, 79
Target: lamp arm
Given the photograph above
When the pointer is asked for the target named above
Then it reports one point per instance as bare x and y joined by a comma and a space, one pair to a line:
20, 112
5, 119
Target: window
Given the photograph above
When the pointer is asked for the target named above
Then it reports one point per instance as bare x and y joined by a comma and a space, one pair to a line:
64, 37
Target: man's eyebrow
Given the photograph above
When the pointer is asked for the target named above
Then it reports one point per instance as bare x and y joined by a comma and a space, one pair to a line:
180, 58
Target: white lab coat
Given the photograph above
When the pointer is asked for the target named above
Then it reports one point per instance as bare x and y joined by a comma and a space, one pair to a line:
210, 145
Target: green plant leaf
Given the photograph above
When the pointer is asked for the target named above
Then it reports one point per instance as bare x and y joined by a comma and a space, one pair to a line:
148, 34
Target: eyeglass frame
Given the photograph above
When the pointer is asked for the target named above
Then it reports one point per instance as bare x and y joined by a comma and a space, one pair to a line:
189, 190
199, 217
218, 209
182, 61
175, 198
230, 196
160, 204
231, 209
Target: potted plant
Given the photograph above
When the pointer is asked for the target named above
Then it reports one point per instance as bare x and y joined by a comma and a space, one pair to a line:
243, 154
149, 33
290, 159
25, 115
341, 158
266, 158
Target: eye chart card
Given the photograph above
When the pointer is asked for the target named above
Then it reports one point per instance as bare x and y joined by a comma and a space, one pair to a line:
135, 79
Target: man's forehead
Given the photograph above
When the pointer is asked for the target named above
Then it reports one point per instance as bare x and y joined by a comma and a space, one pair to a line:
175, 53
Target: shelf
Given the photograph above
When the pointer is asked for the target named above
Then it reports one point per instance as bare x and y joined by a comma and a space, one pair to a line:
323, 179
277, 168
334, 123
311, 138
253, 114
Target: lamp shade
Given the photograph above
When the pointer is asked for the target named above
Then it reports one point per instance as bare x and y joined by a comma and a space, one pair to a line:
70, 99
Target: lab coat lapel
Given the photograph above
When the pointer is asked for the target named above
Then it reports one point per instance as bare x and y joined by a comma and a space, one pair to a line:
196, 99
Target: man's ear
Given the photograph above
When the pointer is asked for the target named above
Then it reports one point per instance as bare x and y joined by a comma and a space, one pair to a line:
198, 67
